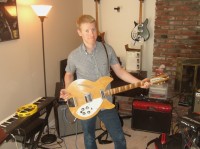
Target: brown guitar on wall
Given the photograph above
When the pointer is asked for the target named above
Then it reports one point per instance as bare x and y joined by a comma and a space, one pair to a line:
100, 36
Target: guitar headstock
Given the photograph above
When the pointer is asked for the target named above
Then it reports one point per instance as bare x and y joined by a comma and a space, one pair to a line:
159, 79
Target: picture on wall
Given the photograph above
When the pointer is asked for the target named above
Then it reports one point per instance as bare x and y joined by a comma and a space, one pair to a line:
8, 20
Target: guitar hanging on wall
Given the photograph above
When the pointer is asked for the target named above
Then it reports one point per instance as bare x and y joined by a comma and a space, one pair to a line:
100, 36
140, 32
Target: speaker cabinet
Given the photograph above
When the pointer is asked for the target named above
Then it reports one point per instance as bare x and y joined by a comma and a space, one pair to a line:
197, 102
63, 64
151, 116
64, 121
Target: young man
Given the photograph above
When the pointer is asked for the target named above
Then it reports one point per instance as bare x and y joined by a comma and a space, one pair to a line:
90, 61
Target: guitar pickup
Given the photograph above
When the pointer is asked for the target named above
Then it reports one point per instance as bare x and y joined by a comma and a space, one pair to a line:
102, 94
88, 98
71, 102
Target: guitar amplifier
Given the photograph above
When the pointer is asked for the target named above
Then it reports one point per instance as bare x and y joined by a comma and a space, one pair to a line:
64, 121
151, 115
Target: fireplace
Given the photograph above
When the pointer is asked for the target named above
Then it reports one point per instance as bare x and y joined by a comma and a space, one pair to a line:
187, 80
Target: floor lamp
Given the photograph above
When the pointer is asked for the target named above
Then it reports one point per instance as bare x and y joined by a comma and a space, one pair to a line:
42, 11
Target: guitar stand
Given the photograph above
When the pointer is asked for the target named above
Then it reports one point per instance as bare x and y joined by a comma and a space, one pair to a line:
30, 135
105, 141
127, 134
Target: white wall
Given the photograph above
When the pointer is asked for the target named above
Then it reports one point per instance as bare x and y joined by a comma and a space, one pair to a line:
118, 25
21, 65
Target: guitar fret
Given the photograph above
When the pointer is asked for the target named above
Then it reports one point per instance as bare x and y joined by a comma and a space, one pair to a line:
128, 87
122, 88
118, 89
113, 91
125, 88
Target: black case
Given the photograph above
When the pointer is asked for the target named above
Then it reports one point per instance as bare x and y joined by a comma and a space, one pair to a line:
151, 115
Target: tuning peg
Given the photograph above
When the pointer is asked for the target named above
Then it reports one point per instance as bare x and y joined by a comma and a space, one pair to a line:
117, 8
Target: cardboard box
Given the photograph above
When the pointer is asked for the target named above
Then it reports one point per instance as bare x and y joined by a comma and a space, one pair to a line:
158, 91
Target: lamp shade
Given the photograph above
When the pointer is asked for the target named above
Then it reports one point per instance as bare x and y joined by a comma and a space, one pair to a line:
11, 10
41, 10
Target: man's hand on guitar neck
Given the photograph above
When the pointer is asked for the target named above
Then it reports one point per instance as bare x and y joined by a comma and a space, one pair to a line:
146, 83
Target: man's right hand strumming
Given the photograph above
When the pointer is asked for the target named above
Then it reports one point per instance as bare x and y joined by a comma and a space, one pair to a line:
64, 94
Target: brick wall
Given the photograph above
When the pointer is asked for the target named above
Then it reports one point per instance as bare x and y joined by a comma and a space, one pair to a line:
177, 34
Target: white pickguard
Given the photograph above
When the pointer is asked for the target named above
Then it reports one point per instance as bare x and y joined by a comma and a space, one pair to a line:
89, 108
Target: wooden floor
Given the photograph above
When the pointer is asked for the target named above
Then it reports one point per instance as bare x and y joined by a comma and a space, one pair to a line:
137, 140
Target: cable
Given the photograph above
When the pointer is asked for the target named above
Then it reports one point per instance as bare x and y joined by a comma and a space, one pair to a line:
65, 144
72, 122
76, 136
65, 116
43, 145
21, 132
15, 141
174, 96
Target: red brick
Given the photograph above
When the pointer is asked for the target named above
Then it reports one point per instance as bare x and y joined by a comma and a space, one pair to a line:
177, 33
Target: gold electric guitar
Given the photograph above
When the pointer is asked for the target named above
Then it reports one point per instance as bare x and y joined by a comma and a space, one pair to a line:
88, 98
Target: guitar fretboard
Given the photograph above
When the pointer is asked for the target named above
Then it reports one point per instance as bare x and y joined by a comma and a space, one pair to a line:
140, 12
122, 88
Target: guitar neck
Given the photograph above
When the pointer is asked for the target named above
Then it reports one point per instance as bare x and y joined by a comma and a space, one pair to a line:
97, 16
140, 12
155, 80
122, 88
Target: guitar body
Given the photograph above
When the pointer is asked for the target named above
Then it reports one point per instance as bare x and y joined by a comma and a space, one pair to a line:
140, 31
100, 37
87, 97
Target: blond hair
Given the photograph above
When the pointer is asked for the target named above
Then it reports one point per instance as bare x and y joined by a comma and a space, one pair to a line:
84, 19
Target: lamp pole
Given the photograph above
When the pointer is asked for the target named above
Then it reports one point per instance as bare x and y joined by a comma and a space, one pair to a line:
44, 65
